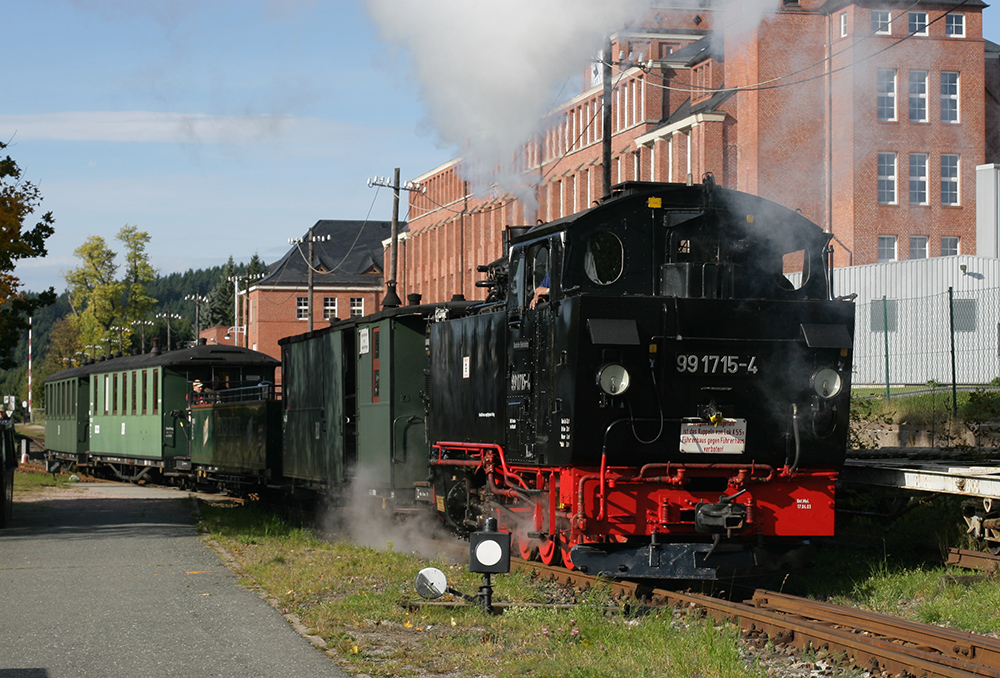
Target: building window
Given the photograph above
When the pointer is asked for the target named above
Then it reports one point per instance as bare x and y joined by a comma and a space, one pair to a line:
843, 24
887, 248
329, 308
918, 247
357, 306
887, 178
918, 23
886, 94
949, 246
954, 25
918, 96
302, 308
918, 178
881, 22
949, 179
949, 96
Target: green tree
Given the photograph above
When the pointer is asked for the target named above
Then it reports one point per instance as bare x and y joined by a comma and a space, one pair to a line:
95, 294
256, 268
220, 299
19, 200
137, 305
106, 308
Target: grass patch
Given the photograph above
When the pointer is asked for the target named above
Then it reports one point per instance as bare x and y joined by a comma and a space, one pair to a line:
27, 483
359, 600
932, 409
891, 562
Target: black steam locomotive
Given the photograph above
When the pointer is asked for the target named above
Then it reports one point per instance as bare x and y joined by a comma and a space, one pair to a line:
668, 400
644, 392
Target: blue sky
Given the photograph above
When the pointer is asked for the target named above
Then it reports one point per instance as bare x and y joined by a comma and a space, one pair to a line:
221, 127
225, 127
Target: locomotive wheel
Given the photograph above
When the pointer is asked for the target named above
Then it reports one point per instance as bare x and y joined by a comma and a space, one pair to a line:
456, 507
549, 552
564, 551
526, 546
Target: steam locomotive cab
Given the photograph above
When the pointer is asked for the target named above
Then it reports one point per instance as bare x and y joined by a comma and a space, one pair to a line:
671, 396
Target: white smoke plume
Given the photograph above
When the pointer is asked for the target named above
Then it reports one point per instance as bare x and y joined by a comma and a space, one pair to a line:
361, 518
738, 19
489, 71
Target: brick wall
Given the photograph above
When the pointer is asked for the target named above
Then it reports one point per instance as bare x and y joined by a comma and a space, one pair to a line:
801, 130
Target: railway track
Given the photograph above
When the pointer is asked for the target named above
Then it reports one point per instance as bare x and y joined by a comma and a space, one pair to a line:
973, 560
867, 639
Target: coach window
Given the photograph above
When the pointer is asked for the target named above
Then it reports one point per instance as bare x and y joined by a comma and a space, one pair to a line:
604, 259
156, 391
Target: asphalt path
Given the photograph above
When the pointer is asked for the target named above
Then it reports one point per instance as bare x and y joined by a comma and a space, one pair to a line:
113, 580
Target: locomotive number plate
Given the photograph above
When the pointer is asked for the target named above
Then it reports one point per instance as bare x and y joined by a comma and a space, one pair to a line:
729, 437
722, 365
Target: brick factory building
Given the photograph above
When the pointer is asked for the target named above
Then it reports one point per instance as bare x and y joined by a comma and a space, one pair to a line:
869, 117
347, 281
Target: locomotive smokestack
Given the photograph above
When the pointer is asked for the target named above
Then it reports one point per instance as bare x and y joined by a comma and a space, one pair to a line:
413, 298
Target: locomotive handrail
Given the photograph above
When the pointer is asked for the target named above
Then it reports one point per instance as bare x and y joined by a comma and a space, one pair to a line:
482, 449
239, 394
410, 419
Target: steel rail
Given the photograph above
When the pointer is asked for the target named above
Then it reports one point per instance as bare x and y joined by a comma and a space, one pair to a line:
973, 560
867, 639
957, 645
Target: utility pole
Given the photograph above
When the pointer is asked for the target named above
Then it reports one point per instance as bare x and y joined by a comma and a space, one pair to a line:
312, 237
198, 301
391, 298
606, 113
606, 119
235, 279
309, 264
168, 317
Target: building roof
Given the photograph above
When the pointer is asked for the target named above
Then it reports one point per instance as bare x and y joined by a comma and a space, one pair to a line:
344, 253
692, 54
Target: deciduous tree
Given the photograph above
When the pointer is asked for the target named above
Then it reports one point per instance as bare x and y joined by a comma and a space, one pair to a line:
19, 200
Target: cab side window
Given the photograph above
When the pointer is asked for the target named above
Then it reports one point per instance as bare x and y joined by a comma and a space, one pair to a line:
604, 258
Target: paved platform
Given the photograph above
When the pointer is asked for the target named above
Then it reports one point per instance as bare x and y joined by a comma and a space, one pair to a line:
112, 580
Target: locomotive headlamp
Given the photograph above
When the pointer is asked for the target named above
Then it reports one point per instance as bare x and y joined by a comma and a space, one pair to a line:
827, 383
613, 379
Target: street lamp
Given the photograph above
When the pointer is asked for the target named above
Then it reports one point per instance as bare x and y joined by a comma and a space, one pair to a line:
234, 332
168, 317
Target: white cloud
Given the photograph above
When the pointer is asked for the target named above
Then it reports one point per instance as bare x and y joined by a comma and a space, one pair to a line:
149, 126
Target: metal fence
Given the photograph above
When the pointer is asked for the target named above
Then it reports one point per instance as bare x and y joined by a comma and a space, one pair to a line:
950, 338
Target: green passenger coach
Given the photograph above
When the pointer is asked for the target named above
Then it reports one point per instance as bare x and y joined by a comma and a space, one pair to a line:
130, 414
67, 417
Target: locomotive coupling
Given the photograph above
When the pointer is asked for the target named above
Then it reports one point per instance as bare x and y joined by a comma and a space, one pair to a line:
718, 518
